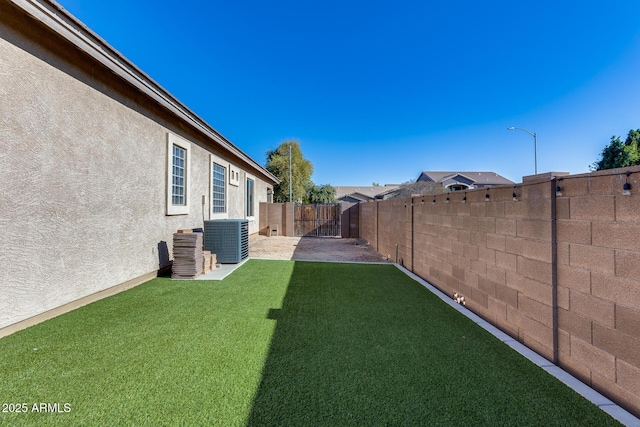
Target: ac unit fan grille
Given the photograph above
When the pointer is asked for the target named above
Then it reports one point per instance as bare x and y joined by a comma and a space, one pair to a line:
228, 239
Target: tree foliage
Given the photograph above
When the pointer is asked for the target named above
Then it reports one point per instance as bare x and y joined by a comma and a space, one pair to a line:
618, 154
321, 194
301, 170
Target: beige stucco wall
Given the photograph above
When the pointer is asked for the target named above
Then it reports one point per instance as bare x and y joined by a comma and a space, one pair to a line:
83, 179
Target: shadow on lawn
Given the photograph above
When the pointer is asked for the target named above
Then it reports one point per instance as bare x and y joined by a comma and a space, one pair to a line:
364, 344
329, 359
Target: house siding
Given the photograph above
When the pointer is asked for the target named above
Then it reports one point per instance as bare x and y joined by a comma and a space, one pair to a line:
84, 176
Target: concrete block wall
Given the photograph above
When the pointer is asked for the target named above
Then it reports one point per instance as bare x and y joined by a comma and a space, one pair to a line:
576, 302
368, 223
599, 282
281, 214
270, 213
394, 239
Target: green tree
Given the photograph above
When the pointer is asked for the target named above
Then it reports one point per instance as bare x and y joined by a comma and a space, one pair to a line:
631, 146
301, 170
322, 194
618, 154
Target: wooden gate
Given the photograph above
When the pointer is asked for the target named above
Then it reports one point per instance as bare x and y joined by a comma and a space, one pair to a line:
318, 220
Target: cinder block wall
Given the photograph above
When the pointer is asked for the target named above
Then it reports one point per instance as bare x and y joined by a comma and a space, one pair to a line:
368, 221
394, 240
280, 214
271, 214
576, 302
599, 283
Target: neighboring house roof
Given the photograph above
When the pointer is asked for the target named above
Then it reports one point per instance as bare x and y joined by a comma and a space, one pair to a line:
355, 198
416, 188
359, 196
56, 18
470, 179
363, 193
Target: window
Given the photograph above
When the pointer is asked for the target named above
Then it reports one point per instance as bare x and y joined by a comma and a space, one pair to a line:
178, 174
234, 176
219, 188
250, 193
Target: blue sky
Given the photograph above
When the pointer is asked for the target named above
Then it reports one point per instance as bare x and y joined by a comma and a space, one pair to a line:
379, 91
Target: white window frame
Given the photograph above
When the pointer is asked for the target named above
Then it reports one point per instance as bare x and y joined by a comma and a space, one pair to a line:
246, 197
219, 215
174, 140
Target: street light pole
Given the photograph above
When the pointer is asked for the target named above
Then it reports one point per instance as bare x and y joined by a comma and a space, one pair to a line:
535, 145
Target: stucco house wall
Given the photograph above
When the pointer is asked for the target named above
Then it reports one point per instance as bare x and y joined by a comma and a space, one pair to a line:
85, 164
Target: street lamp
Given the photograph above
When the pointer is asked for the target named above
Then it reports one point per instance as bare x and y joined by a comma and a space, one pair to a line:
535, 145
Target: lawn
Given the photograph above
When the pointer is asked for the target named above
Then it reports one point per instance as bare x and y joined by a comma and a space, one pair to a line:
277, 343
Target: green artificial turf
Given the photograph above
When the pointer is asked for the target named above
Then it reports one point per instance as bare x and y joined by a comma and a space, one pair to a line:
278, 343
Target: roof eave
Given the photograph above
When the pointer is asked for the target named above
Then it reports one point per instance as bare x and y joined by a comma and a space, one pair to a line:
58, 20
